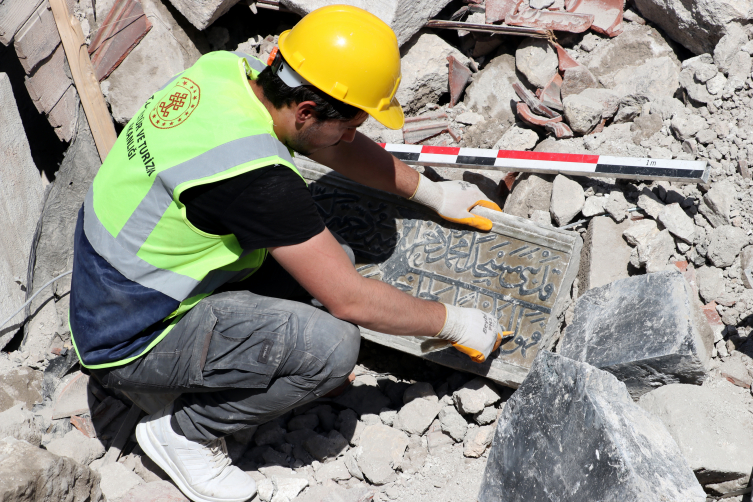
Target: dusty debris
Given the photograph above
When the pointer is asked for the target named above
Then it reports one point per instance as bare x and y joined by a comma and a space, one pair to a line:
403, 430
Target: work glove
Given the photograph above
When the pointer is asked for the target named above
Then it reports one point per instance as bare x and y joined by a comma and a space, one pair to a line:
471, 331
453, 201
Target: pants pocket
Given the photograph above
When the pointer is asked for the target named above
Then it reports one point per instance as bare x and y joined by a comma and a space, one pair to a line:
245, 348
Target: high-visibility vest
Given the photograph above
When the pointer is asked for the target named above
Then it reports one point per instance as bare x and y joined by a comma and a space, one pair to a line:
204, 126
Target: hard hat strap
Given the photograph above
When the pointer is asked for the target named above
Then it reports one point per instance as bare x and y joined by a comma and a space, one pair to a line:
282, 69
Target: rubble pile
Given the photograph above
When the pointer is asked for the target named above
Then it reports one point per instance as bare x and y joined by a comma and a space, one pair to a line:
645, 387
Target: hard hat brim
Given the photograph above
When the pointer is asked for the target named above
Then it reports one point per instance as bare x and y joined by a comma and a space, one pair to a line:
392, 117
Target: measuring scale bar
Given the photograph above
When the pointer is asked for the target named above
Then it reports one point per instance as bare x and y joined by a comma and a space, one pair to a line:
604, 166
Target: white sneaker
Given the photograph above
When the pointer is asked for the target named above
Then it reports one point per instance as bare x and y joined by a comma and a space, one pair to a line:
202, 470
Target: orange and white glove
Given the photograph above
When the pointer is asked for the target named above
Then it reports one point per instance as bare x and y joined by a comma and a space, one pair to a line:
453, 201
471, 331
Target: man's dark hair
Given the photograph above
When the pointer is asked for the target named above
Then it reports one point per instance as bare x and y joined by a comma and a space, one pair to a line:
281, 95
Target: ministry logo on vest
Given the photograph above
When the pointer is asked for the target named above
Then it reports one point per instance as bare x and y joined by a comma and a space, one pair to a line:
177, 105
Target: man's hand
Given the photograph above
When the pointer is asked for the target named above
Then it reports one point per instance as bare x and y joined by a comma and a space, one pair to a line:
453, 201
471, 331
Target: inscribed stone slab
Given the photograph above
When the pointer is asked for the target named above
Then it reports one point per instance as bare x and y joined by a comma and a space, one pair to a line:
520, 272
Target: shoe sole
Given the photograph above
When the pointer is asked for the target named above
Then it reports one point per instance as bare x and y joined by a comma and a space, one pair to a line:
147, 441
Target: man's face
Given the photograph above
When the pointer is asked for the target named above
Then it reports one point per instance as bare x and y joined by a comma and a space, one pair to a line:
314, 135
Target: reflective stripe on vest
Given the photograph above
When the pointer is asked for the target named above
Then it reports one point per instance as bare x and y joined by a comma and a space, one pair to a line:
121, 251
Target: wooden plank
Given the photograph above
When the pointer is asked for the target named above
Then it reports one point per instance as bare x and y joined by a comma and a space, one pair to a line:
100, 121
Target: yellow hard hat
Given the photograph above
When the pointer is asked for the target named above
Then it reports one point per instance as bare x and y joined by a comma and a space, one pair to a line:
351, 55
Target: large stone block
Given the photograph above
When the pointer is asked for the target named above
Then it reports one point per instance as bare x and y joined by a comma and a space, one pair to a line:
519, 271
54, 249
572, 433
530, 192
696, 25
711, 424
48, 83
165, 51
20, 205
491, 92
202, 13
37, 38
13, 14
647, 330
405, 17
29, 473
425, 69
605, 256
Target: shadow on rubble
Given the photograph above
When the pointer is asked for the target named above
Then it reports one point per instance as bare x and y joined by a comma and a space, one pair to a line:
46, 149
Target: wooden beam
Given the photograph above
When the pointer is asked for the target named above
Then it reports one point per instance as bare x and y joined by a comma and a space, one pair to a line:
100, 121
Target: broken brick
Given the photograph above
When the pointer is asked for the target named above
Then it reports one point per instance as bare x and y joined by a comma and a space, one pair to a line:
559, 129
550, 95
423, 127
498, 10
566, 61
123, 28
533, 102
551, 20
524, 112
458, 77
607, 15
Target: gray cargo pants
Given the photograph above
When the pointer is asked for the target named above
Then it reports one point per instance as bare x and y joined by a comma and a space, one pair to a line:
240, 358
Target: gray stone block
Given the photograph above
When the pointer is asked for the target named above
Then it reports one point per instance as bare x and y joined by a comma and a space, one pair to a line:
711, 424
572, 433
647, 330
21, 195
31, 473
605, 255
519, 271
13, 14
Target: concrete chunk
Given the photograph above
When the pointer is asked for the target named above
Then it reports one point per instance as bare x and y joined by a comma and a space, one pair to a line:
202, 13
711, 424
647, 330
416, 416
717, 203
572, 430
677, 222
31, 473
382, 449
581, 113
425, 70
568, 199
537, 60
21, 424
21, 192
530, 192
605, 255
405, 17
725, 243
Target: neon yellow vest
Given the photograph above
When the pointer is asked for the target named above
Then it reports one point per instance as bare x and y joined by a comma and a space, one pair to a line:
204, 126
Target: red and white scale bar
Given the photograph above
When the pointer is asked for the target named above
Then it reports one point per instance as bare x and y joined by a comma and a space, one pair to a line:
691, 171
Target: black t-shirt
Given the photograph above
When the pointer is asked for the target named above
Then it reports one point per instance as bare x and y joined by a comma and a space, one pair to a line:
266, 207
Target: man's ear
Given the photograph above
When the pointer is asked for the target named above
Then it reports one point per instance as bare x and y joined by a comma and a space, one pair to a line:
304, 111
